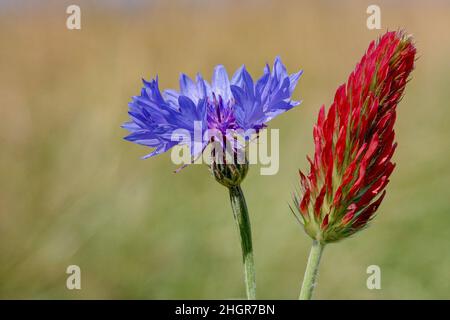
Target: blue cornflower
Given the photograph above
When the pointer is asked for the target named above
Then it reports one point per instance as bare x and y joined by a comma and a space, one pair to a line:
224, 105
217, 112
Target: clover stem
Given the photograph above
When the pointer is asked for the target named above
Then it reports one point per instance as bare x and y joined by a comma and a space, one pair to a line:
312, 268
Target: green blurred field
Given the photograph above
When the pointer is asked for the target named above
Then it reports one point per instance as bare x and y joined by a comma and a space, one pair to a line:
73, 192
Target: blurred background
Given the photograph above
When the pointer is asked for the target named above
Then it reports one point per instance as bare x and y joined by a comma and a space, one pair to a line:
72, 191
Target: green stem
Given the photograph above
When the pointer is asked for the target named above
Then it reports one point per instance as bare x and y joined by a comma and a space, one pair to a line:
312, 268
241, 217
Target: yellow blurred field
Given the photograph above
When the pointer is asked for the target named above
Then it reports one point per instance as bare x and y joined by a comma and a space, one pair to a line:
72, 191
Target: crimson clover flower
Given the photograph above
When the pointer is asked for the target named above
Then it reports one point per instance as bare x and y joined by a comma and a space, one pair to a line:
354, 143
224, 105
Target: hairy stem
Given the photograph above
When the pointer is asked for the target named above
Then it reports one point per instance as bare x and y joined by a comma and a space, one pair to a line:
241, 217
312, 268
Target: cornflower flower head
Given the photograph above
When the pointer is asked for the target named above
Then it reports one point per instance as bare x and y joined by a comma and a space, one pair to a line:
354, 143
225, 112
225, 107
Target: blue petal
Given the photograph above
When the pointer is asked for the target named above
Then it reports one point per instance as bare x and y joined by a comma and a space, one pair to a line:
203, 87
171, 96
237, 77
144, 137
160, 149
293, 79
248, 84
130, 126
261, 83
221, 83
279, 70
188, 108
247, 110
188, 88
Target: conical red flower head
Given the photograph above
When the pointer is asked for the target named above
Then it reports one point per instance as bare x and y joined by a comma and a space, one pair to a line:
354, 143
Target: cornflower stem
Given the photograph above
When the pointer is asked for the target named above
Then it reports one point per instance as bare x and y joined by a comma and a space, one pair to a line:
242, 219
312, 268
